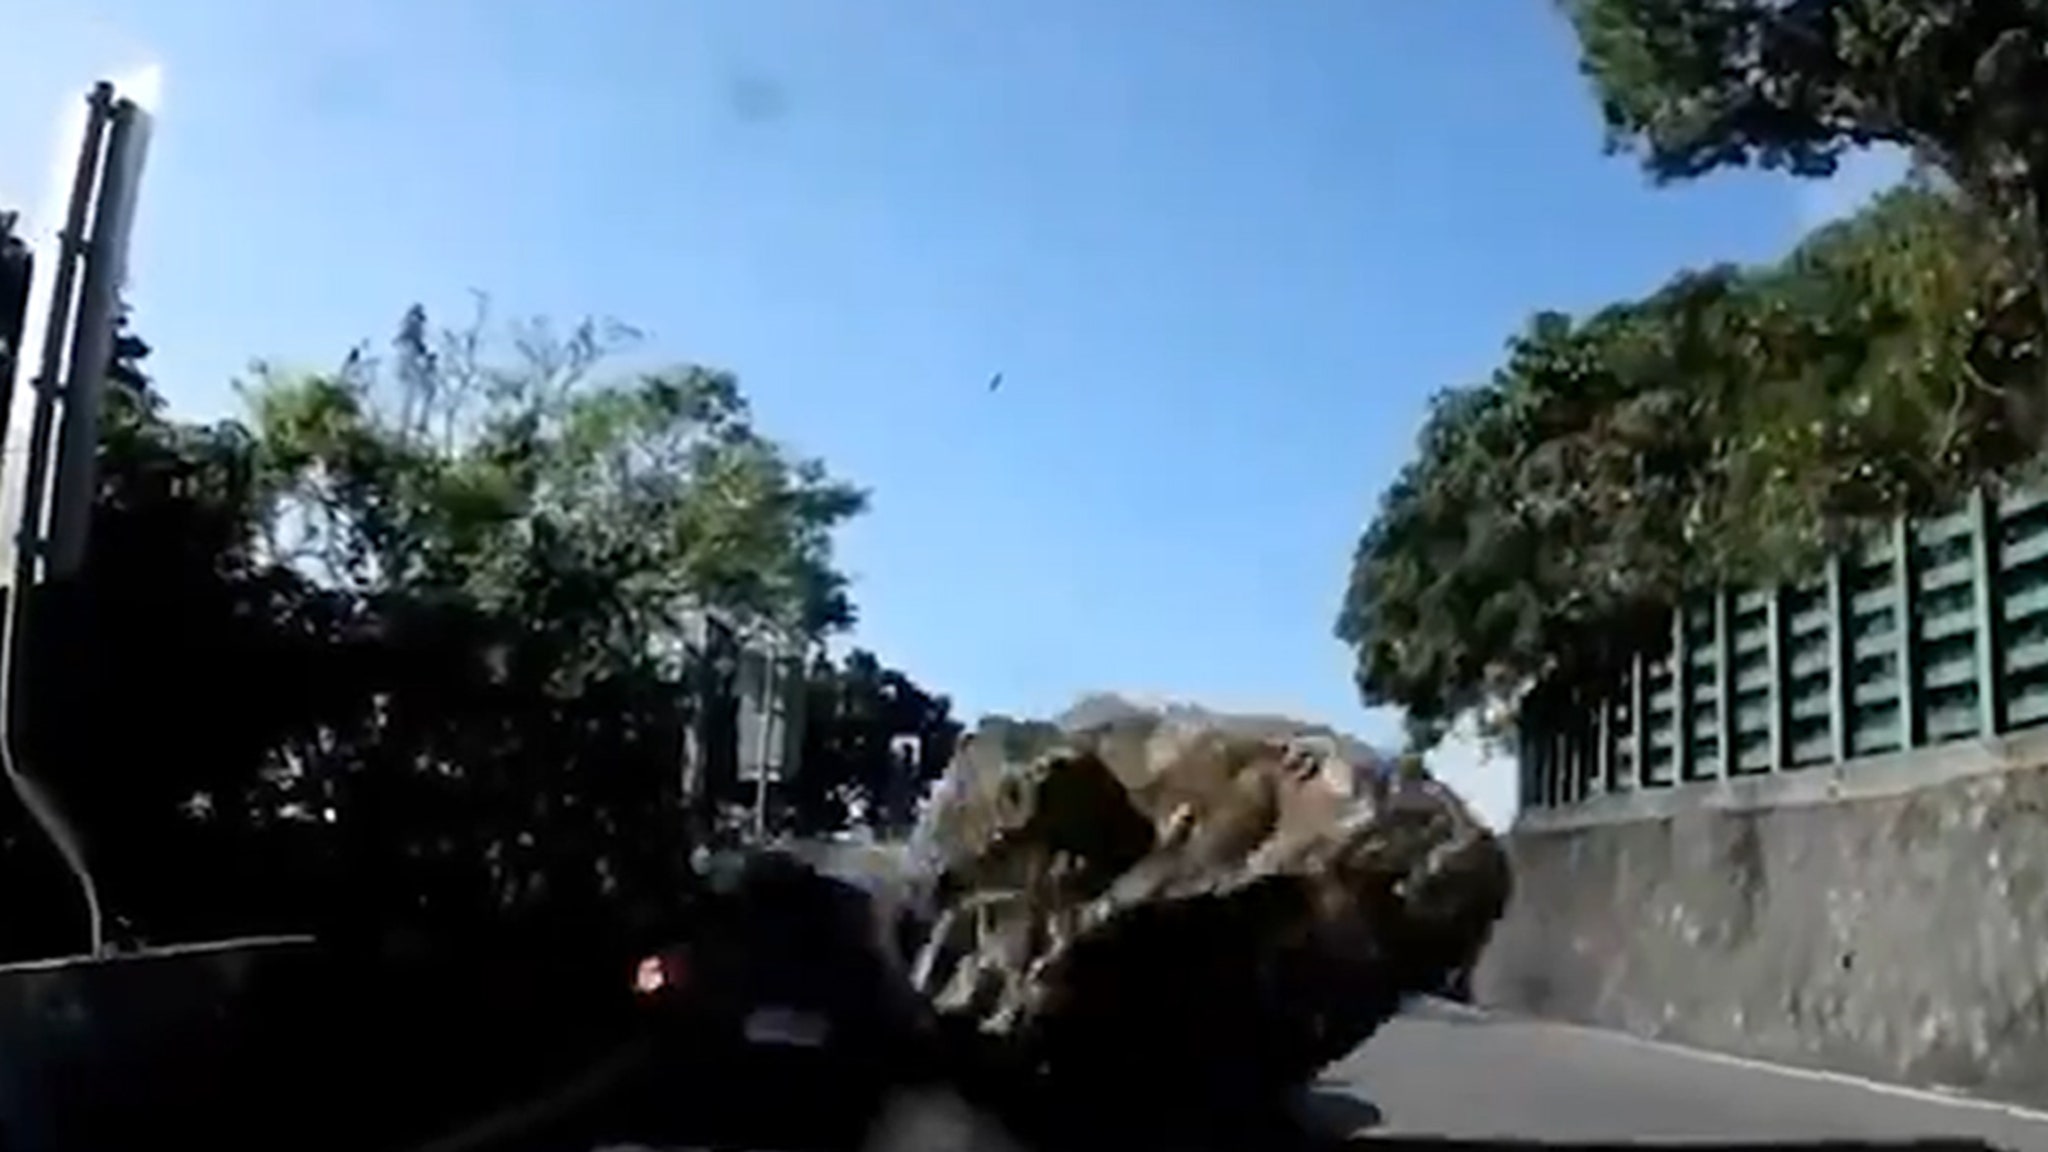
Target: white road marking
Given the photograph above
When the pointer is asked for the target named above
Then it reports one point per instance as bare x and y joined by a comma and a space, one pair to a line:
1949, 1099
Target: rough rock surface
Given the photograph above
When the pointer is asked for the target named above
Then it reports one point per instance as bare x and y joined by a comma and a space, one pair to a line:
1903, 937
1224, 904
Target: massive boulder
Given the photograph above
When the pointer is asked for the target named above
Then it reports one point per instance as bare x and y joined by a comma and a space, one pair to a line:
1219, 905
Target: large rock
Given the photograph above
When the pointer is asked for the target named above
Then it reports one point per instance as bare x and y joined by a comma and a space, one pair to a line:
1218, 904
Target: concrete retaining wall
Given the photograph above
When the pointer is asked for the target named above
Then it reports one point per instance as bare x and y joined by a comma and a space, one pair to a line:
162, 1047
1888, 917
277, 1043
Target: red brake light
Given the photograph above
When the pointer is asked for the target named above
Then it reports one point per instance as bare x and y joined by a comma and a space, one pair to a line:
659, 973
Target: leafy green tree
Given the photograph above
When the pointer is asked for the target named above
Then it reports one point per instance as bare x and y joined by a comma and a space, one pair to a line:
1733, 426
537, 541
439, 468
1795, 85
403, 658
407, 650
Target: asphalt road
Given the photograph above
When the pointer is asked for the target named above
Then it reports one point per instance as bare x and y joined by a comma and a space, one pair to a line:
1441, 1071
1446, 1073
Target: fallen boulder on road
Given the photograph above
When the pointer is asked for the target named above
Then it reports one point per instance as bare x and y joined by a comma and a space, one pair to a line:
1208, 904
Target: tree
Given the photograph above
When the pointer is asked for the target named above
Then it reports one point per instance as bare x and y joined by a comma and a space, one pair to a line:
407, 649
444, 469
1732, 427
15, 265
401, 658
1695, 85
535, 542
156, 682
873, 740
1794, 85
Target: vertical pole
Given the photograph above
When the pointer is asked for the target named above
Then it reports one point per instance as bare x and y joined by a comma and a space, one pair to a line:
764, 741
1556, 775
1841, 661
1903, 597
1563, 765
1775, 685
1724, 681
1531, 793
1681, 698
92, 349
25, 488
1604, 733
1987, 590
1556, 772
24, 503
1639, 711
700, 674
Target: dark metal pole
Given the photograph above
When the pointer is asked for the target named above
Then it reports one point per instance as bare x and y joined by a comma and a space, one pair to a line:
92, 350
29, 504
765, 742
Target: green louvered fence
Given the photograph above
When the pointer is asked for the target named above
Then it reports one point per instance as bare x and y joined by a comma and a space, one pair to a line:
1936, 631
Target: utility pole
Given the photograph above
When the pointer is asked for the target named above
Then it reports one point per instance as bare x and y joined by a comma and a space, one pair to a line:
906, 762
48, 481
766, 740
782, 712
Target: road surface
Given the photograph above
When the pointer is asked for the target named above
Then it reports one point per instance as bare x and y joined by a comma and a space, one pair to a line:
1446, 1071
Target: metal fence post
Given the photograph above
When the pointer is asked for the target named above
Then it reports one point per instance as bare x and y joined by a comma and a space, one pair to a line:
1986, 591
1681, 698
1724, 680
1778, 685
1841, 663
1639, 713
1599, 732
1903, 599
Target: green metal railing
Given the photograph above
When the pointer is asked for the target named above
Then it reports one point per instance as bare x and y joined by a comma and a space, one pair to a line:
1932, 632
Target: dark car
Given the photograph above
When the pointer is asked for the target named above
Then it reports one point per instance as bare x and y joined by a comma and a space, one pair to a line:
778, 990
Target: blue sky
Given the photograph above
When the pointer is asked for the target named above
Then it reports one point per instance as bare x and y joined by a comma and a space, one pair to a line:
1222, 252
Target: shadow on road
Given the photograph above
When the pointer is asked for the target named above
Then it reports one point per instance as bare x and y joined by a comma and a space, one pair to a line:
1337, 1113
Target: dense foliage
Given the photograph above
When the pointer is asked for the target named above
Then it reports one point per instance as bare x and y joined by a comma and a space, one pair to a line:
874, 741
1796, 85
1695, 85
408, 648
1738, 423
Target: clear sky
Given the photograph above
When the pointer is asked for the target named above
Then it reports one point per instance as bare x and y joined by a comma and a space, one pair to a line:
1221, 251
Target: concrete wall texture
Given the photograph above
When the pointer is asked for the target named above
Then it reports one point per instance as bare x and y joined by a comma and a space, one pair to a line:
1886, 917
155, 1048
279, 1043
